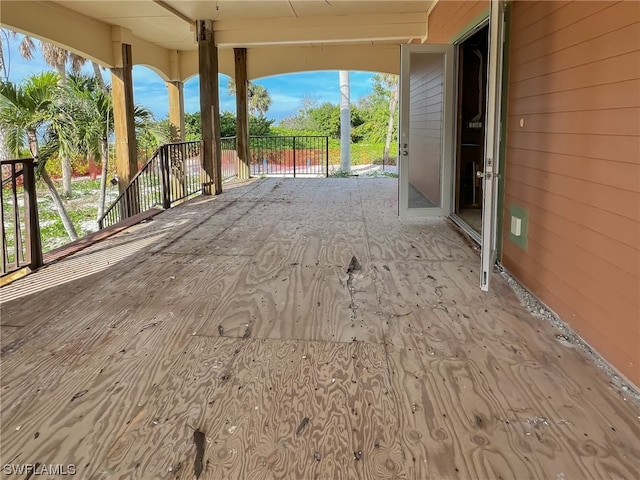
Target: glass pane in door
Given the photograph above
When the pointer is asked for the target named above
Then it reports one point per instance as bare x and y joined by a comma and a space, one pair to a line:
426, 112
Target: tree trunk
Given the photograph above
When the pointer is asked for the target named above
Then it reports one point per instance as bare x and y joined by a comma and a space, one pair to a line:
65, 161
98, 74
4, 151
57, 201
103, 179
345, 123
393, 104
64, 216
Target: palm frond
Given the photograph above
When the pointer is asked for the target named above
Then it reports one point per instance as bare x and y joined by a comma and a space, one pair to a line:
77, 62
53, 54
14, 139
26, 48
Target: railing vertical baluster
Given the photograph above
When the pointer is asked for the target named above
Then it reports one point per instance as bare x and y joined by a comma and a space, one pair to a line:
164, 169
326, 152
174, 171
4, 235
32, 225
17, 234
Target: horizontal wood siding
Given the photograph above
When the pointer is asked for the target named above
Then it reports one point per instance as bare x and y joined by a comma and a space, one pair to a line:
573, 162
425, 131
448, 19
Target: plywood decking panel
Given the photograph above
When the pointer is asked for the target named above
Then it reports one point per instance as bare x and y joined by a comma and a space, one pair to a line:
238, 392
441, 377
440, 355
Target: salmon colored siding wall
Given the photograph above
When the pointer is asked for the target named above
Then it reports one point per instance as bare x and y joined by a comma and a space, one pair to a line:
574, 79
448, 18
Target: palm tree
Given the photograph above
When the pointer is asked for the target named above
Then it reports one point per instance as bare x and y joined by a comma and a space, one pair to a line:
259, 98
92, 104
93, 122
29, 110
390, 82
58, 58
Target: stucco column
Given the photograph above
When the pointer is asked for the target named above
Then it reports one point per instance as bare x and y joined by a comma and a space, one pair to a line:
125, 131
209, 109
176, 110
242, 112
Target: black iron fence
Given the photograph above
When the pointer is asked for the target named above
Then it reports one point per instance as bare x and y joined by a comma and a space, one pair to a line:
174, 171
229, 156
289, 156
21, 243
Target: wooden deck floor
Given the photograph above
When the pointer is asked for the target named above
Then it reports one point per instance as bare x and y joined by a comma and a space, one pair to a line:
227, 335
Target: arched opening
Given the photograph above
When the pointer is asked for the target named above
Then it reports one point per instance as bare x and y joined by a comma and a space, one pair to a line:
309, 103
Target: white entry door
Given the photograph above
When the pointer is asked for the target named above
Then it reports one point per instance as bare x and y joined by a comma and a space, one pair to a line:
426, 130
492, 143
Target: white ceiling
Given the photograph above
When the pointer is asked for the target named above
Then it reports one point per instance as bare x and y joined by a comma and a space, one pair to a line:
169, 23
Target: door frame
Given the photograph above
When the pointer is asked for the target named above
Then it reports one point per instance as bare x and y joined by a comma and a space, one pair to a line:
493, 139
446, 167
454, 188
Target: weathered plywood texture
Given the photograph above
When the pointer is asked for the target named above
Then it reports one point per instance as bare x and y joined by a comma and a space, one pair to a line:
223, 324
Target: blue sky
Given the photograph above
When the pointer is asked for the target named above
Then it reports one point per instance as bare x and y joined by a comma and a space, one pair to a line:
149, 89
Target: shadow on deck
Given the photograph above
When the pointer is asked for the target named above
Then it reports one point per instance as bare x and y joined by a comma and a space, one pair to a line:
235, 316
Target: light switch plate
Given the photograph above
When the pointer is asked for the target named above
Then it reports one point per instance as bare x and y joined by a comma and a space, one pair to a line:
519, 230
516, 226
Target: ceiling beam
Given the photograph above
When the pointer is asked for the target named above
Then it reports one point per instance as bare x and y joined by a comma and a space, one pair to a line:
176, 13
265, 61
277, 60
325, 29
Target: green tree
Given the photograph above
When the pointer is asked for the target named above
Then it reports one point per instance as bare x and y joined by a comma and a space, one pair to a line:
92, 106
58, 58
259, 125
259, 98
192, 127
94, 122
390, 83
301, 120
30, 111
325, 119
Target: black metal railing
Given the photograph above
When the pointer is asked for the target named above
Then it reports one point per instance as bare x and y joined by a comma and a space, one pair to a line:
289, 156
172, 174
229, 157
21, 243
174, 171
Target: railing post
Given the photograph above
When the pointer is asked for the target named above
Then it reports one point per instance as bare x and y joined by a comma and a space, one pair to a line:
294, 157
164, 169
326, 152
31, 208
3, 234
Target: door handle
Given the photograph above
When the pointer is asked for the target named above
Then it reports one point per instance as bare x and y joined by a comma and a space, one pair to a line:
480, 174
405, 153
